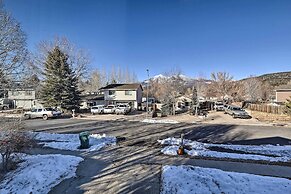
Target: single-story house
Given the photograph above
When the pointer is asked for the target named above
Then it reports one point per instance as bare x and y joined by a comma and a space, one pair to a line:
123, 93
283, 93
183, 102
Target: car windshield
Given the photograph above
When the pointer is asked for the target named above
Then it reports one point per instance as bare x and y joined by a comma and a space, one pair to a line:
236, 108
49, 109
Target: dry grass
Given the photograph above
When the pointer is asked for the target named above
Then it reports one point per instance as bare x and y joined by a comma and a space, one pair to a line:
269, 117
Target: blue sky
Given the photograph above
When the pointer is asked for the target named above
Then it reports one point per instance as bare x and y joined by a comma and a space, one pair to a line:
242, 37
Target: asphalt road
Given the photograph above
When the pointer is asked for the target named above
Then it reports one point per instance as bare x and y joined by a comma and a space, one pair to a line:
134, 165
39, 124
214, 133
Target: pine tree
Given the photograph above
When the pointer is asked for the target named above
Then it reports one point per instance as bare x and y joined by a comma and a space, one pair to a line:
60, 85
288, 106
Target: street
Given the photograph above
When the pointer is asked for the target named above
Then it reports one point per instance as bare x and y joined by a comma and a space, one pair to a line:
134, 164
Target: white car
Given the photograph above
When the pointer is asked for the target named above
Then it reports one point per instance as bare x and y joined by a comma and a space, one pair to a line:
99, 109
44, 113
109, 109
122, 109
219, 106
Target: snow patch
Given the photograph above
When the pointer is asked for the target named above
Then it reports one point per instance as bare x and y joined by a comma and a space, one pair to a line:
159, 121
39, 173
189, 179
72, 142
263, 152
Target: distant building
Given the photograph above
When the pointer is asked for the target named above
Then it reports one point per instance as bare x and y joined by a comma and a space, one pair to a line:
123, 93
283, 93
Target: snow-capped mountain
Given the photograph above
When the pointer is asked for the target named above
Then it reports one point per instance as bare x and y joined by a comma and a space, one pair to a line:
188, 81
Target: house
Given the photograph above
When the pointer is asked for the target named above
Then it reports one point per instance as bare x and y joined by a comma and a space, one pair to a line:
283, 93
183, 102
22, 98
89, 100
123, 93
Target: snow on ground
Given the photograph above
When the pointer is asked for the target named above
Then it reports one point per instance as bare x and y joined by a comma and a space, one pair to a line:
191, 180
264, 152
39, 173
159, 121
72, 142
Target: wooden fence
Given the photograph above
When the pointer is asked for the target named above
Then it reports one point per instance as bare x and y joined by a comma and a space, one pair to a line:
266, 108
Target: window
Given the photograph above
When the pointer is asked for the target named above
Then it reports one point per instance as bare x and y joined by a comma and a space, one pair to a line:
15, 93
28, 93
128, 93
111, 92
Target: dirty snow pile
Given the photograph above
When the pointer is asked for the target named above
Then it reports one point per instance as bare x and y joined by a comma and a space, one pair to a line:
189, 179
39, 173
71, 141
263, 152
159, 121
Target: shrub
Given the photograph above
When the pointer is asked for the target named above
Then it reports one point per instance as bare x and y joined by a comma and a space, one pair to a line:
12, 140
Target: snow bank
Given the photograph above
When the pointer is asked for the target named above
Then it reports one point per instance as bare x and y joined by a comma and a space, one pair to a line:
188, 179
159, 121
39, 173
72, 142
264, 152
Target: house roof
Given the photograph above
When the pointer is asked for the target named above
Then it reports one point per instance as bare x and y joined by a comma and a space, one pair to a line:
92, 97
122, 87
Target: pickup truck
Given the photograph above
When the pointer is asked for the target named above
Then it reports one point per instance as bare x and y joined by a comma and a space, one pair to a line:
5, 104
219, 106
109, 109
43, 113
99, 109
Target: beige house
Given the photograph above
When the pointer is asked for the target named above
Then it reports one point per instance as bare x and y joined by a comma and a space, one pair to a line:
123, 93
283, 93
22, 98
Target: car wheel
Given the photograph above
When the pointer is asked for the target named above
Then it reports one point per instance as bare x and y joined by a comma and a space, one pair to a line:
44, 117
233, 116
27, 116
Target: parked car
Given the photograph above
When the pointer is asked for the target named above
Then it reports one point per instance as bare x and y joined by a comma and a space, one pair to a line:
122, 109
109, 109
237, 112
44, 113
6, 104
219, 106
99, 109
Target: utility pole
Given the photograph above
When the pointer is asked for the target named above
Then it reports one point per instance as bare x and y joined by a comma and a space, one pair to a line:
148, 93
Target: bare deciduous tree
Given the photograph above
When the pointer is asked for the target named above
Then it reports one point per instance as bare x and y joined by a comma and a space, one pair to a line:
166, 89
222, 84
78, 58
252, 89
99, 78
13, 50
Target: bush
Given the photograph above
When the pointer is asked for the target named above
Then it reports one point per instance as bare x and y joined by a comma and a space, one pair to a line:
12, 140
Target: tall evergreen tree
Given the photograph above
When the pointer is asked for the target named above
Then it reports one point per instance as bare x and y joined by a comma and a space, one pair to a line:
60, 85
